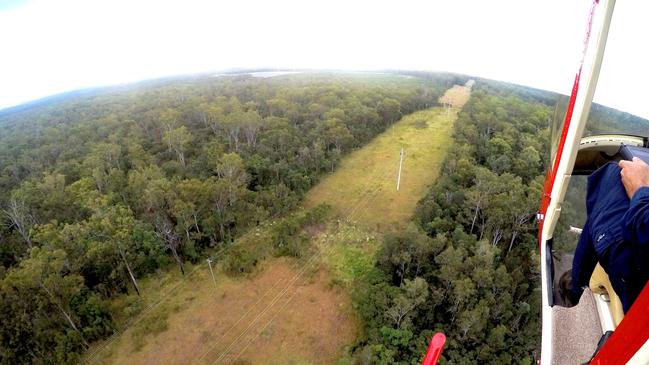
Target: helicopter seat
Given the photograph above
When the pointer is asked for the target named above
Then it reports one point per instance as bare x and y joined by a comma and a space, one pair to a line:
601, 285
576, 331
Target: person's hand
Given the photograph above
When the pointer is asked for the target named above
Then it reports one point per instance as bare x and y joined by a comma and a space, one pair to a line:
635, 174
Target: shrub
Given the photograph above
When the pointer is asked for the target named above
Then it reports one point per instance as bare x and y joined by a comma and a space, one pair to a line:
240, 260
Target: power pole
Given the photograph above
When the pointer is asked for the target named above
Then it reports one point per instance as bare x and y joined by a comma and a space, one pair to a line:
400, 165
209, 263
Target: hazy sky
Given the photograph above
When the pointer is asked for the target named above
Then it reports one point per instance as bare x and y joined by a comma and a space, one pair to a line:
49, 46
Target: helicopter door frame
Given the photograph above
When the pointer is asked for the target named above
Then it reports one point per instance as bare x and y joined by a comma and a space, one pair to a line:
558, 176
629, 343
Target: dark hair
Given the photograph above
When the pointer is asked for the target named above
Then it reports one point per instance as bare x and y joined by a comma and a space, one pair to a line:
565, 288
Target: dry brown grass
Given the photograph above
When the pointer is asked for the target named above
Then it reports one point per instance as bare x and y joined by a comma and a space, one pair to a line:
456, 96
234, 323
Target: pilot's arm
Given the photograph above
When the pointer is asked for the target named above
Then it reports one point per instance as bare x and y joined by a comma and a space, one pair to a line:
636, 220
635, 177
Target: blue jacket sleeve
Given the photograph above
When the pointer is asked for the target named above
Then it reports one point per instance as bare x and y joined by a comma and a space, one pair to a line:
636, 219
583, 263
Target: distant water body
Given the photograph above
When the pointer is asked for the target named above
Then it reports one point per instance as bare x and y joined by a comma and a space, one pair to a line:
261, 74
267, 74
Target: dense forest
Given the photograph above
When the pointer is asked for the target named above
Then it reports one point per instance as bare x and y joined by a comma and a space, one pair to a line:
467, 266
100, 189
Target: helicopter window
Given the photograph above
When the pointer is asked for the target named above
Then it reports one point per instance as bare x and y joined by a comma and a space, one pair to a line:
573, 216
560, 110
566, 234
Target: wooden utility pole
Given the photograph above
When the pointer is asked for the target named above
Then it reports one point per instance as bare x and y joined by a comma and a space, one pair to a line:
209, 263
400, 165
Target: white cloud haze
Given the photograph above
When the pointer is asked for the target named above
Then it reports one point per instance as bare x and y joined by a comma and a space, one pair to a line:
48, 47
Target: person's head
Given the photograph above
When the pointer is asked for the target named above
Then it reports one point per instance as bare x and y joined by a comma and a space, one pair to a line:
565, 288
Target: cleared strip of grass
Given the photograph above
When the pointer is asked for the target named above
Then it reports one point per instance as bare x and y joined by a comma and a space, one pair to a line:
425, 137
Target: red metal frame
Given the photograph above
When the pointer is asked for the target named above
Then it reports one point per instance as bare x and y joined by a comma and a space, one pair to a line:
629, 336
434, 349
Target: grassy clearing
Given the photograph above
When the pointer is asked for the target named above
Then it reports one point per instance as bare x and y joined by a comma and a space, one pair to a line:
232, 322
258, 317
363, 188
349, 253
363, 194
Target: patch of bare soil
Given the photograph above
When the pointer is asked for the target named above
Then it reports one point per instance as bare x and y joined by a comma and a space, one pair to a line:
314, 230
